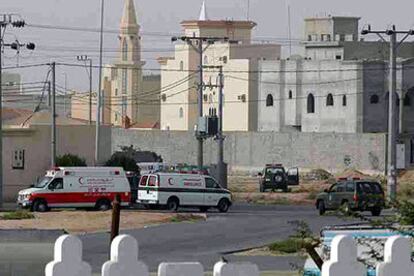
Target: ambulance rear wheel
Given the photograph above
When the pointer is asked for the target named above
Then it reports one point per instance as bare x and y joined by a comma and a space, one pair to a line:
103, 205
172, 204
40, 206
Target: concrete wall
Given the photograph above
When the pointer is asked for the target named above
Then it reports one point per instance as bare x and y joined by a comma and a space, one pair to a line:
249, 151
35, 141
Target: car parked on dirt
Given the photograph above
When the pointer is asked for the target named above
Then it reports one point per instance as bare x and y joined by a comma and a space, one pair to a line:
352, 195
274, 177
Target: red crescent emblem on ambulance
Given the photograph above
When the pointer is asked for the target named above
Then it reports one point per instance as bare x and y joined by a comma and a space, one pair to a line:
170, 181
80, 180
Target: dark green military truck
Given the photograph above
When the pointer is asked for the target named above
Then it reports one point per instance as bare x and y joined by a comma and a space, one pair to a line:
352, 195
275, 177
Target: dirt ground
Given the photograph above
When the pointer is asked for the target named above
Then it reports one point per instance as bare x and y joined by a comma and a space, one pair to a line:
88, 222
246, 188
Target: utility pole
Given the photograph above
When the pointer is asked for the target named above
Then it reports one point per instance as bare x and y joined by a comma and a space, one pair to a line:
53, 130
99, 101
220, 137
6, 20
199, 48
86, 58
65, 94
392, 83
49, 95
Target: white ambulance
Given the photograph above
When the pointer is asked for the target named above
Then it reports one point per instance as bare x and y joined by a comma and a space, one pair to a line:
73, 187
174, 190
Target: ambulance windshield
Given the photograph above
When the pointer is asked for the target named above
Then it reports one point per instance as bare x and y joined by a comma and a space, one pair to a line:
43, 182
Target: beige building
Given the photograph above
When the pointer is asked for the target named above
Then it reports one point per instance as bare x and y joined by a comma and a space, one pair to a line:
239, 58
127, 95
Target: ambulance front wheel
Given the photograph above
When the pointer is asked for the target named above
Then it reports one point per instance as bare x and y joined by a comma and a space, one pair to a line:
40, 206
173, 203
223, 205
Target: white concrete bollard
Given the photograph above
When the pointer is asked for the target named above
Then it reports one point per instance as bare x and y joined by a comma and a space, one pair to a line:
180, 269
343, 259
397, 258
124, 259
236, 269
68, 258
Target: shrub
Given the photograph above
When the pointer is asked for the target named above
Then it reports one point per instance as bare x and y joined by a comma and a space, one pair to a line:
123, 160
70, 160
406, 213
289, 246
18, 215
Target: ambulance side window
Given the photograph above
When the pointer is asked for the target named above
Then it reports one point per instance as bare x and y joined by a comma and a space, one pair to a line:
56, 184
143, 181
210, 183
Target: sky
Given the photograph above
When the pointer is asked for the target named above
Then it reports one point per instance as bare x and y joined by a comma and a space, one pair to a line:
159, 19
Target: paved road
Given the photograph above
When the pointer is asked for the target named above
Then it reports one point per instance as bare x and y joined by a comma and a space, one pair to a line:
245, 226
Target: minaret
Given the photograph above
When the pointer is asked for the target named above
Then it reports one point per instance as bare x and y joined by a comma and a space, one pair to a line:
203, 12
129, 76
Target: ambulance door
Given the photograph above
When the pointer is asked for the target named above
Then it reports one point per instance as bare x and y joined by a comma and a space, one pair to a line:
211, 195
56, 195
152, 188
142, 191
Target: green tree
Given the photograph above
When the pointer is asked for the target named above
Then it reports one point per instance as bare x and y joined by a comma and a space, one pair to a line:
121, 159
70, 160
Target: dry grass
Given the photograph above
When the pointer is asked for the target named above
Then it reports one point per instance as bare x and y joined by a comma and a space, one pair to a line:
89, 222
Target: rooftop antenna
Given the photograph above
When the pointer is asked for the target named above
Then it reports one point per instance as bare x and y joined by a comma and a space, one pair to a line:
248, 10
289, 28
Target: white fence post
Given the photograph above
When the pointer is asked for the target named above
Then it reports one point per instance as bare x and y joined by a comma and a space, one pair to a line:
68, 258
124, 259
240, 269
180, 269
343, 259
397, 258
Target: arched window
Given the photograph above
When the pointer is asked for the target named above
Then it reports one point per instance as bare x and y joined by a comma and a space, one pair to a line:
374, 99
181, 65
344, 102
124, 50
407, 100
290, 94
269, 100
311, 104
205, 59
329, 100
181, 112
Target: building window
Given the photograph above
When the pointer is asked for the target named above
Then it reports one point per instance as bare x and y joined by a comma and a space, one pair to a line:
124, 50
225, 59
205, 59
311, 104
338, 57
374, 99
344, 102
329, 100
181, 65
116, 91
124, 106
116, 117
124, 81
181, 113
407, 100
290, 94
269, 100
210, 98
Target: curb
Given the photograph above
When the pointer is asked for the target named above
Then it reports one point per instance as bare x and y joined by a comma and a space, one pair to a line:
30, 235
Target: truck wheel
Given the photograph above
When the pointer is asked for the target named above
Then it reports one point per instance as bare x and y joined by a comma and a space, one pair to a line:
346, 208
40, 206
376, 211
321, 208
172, 204
223, 205
103, 205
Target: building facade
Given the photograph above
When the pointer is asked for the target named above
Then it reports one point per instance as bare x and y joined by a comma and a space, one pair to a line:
239, 58
340, 85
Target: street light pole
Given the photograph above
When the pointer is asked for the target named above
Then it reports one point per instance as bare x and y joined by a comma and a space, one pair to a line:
99, 94
392, 84
5, 20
